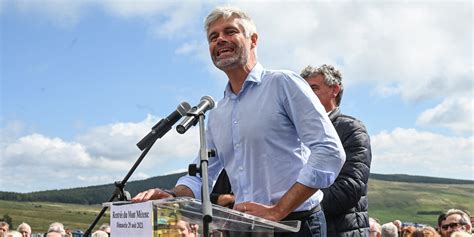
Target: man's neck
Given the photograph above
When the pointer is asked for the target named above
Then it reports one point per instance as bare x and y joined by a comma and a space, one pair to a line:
238, 75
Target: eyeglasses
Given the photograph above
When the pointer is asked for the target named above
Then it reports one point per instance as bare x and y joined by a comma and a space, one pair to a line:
453, 225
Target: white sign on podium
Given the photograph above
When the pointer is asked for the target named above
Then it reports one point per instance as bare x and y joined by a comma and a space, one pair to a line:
134, 219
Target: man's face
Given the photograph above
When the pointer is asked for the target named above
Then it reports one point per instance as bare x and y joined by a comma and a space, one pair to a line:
24, 233
3, 228
452, 223
54, 234
325, 93
228, 45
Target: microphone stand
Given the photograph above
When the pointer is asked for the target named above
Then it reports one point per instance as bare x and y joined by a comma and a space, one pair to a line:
119, 192
203, 170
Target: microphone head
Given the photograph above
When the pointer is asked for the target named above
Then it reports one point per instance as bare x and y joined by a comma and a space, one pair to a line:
183, 108
209, 100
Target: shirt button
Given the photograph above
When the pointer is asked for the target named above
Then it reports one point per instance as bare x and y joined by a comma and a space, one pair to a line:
235, 121
241, 168
237, 145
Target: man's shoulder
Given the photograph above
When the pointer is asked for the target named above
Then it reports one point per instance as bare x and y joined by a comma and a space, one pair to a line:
347, 121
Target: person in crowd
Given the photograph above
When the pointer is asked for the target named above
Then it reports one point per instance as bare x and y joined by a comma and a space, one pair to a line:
389, 230
56, 229
345, 202
429, 231
375, 228
278, 158
4, 227
12, 233
100, 233
441, 218
460, 234
407, 230
455, 220
398, 224
105, 227
68, 232
24, 229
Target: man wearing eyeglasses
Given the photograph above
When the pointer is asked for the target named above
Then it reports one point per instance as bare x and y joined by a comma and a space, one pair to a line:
456, 220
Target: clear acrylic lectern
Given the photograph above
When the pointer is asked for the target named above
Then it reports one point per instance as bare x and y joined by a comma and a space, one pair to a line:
171, 216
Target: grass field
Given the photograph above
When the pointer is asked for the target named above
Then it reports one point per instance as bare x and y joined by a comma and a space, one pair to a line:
408, 202
412, 202
39, 215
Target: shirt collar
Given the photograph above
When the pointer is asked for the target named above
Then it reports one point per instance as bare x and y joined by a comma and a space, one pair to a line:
254, 77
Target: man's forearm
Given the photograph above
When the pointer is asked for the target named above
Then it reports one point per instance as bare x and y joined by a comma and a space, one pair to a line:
183, 191
292, 199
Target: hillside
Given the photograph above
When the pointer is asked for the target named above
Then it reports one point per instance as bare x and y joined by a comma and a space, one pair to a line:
102, 193
388, 200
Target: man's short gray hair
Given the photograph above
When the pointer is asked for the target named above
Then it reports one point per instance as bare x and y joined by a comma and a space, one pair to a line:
389, 230
227, 12
331, 75
465, 218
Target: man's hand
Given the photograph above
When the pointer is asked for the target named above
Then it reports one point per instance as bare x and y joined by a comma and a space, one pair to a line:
151, 194
226, 200
268, 212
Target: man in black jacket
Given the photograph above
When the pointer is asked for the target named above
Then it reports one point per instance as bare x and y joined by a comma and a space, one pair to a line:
345, 202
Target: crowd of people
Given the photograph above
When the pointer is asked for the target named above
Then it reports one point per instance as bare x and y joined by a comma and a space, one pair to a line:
55, 229
452, 223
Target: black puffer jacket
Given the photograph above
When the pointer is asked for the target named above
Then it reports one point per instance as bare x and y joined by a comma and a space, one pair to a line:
345, 202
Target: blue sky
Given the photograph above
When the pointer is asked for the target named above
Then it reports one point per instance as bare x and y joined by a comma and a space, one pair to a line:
83, 81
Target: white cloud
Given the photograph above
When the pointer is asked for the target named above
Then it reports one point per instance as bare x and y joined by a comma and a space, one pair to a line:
102, 155
455, 113
408, 151
424, 48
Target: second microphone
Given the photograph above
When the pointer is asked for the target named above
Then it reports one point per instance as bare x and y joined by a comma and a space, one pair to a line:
207, 103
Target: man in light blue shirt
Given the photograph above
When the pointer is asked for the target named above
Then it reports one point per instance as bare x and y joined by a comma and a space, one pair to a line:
271, 133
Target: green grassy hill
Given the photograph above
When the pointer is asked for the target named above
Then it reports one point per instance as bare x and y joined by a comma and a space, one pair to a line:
417, 202
408, 201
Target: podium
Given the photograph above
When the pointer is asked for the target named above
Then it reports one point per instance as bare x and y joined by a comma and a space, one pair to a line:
180, 216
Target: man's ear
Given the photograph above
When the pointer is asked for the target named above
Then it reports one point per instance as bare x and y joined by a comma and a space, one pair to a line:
254, 39
335, 90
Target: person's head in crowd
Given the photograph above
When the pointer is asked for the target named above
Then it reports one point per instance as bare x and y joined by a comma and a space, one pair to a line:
460, 234
407, 230
326, 83
4, 227
24, 229
100, 233
54, 234
441, 218
55, 229
105, 227
398, 224
426, 231
68, 232
12, 233
389, 230
456, 220
184, 228
375, 228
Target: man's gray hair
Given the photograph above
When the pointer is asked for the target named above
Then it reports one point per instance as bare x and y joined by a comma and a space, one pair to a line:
331, 75
227, 12
389, 230
465, 218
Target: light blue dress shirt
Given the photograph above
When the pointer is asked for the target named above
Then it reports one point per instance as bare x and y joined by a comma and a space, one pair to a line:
273, 133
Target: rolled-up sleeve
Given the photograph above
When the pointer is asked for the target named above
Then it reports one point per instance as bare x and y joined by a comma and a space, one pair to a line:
316, 132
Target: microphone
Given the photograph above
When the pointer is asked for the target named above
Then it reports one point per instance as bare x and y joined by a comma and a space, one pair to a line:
206, 104
164, 125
